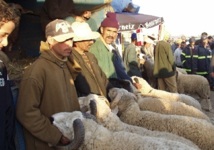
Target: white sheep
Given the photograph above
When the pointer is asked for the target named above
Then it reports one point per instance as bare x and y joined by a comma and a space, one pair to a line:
195, 85
165, 106
147, 90
111, 121
86, 134
197, 130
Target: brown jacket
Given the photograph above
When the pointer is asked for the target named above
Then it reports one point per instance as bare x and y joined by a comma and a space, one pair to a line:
86, 82
47, 88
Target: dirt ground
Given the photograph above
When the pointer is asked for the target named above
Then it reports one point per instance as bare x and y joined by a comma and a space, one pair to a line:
211, 113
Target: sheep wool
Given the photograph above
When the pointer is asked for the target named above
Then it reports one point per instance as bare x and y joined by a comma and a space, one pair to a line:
147, 90
164, 106
197, 130
97, 137
195, 85
112, 122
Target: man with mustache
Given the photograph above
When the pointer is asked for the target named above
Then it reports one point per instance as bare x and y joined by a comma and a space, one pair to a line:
105, 51
47, 87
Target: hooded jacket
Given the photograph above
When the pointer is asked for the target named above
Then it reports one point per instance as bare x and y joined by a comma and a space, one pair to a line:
164, 65
87, 82
46, 88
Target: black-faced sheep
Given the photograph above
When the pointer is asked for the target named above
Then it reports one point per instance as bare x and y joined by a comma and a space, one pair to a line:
197, 130
195, 85
86, 134
147, 90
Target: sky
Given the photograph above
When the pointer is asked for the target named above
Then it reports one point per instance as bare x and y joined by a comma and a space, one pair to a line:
181, 17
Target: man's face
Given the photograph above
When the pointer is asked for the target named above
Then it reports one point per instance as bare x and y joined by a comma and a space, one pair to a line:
84, 45
62, 49
5, 31
109, 34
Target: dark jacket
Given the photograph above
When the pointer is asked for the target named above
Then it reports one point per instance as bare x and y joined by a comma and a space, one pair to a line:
164, 65
86, 82
119, 66
204, 60
189, 58
7, 117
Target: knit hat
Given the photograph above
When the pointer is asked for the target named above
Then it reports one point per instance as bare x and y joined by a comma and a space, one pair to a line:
60, 30
110, 21
83, 32
134, 36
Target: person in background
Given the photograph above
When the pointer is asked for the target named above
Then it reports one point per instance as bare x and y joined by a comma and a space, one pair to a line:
130, 58
148, 46
203, 34
189, 57
106, 51
164, 66
8, 21
56, 9
177, 54
204, 59
47, 87
212, 72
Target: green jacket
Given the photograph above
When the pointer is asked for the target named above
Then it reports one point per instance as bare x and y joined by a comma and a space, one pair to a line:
130, 61
104, 58
164, 65
46, 88
86, 82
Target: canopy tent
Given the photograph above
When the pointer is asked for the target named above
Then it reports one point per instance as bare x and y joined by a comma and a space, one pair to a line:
132, 21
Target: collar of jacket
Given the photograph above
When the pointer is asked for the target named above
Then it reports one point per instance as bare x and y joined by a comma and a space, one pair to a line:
73, 67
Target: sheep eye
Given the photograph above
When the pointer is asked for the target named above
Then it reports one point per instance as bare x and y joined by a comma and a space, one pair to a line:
51, 120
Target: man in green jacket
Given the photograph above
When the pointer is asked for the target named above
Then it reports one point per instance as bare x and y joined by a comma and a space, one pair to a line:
47, 87
164, 66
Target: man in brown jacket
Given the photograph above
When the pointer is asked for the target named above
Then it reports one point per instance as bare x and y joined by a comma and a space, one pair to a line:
47, 88
91, 79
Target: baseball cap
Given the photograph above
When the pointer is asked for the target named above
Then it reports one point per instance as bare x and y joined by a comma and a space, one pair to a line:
60, 30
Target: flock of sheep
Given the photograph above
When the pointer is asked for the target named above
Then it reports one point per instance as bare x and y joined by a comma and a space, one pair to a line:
147, 119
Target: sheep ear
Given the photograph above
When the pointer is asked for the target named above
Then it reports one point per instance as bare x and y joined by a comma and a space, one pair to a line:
93, 107
79, 134
116, 100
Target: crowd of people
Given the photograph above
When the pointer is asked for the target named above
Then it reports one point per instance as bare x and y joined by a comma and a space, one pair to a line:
76, 61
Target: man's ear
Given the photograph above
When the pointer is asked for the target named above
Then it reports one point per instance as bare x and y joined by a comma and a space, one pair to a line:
50, 40
101, 30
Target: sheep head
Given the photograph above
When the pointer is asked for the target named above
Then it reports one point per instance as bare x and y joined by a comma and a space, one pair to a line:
118, 94
99, 108
146, 88
64, 121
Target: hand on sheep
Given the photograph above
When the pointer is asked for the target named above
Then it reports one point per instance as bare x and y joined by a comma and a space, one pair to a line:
64, 140
137, 85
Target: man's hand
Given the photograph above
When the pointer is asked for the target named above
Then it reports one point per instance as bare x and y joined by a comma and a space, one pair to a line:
64, 140
137, 85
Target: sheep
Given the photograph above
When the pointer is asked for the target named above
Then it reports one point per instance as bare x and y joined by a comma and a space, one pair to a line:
181, 70
147, 90
86, 134
164, 106
111, 121
195, 85
197, 130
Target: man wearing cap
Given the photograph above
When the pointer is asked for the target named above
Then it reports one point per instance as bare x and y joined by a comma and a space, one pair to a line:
130, 58
91, 79
105, 50
47, 87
